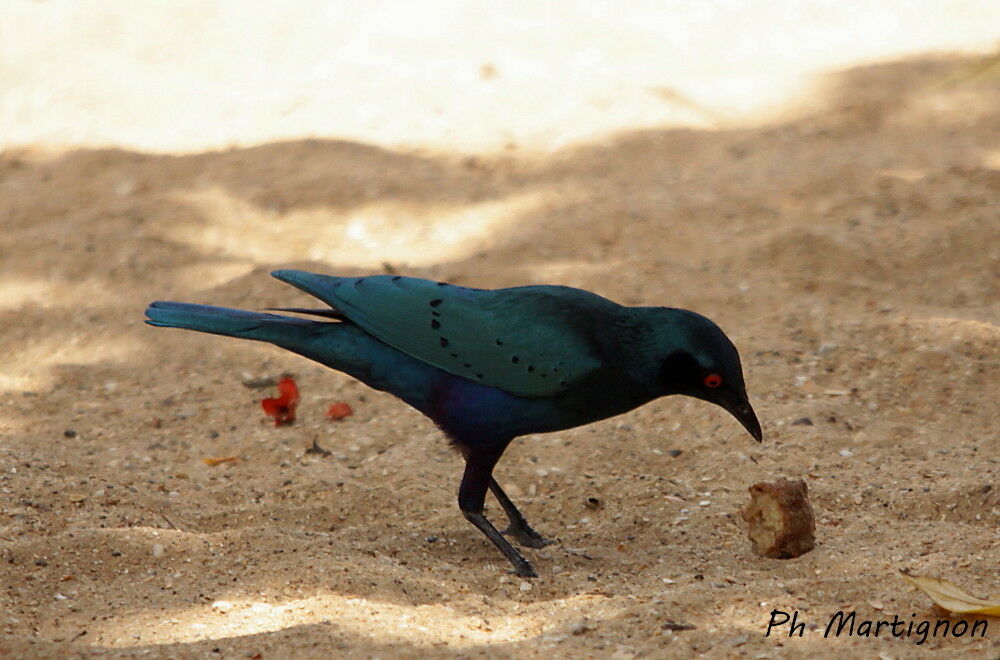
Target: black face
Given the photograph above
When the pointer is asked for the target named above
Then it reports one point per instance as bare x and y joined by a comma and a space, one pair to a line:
720, 383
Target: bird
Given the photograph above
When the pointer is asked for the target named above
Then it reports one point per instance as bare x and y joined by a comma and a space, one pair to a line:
490, 365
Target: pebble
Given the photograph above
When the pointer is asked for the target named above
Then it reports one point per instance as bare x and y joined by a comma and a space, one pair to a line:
157, 550
704, 503
674, 453
69, 433
525, 586
802, 421
222, 606
125, 188
846, 453
828, 347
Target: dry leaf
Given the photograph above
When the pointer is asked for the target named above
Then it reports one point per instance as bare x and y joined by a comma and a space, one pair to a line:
222, 459
951, 598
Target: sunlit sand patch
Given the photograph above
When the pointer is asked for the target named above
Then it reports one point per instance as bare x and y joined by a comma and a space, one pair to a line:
958, 329
203, 276
569, 271
380, 621
910, 176
32, 366
365, 237
425, 74
22, 291
954, 106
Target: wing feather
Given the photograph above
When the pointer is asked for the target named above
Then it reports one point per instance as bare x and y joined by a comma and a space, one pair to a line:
529, 341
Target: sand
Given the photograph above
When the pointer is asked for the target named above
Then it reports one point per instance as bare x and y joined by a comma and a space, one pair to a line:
851, 249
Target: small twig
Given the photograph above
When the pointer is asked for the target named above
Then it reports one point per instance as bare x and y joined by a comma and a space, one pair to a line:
316, 449
172, 526
578, 553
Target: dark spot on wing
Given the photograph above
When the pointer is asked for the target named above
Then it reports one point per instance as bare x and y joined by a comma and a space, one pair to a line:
467, 365
515, 359
444, 342
454, 355
396, 278
435, 302
435, 324
499, 343
442, 284
358, 282
435, 313
479, 376
530, 369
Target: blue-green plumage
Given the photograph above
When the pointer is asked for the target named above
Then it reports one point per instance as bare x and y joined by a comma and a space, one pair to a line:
490, 365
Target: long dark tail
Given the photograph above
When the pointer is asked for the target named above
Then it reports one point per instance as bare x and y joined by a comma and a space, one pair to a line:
339, 345
281, 330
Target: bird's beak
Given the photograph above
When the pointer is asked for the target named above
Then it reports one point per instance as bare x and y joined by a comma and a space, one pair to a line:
741, 410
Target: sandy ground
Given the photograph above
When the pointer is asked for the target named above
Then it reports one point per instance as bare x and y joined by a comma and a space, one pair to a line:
850, 248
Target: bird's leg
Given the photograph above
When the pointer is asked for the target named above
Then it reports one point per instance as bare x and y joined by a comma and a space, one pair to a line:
472, 498
519, 528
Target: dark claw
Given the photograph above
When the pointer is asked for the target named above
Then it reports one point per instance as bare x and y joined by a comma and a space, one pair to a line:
525, 570
527, 537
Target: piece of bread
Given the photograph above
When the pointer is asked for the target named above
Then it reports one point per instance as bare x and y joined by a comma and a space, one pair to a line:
780, 519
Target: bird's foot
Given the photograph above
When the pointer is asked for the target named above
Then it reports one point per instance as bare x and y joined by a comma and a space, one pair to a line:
527, 537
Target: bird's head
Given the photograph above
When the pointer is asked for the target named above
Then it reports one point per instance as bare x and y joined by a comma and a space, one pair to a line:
697, 359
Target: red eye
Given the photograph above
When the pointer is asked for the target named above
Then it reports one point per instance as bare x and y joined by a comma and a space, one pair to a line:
713, 380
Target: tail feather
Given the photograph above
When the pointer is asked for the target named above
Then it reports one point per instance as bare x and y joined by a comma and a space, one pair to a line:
325, 313
225, 321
